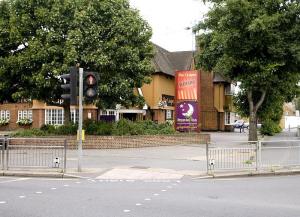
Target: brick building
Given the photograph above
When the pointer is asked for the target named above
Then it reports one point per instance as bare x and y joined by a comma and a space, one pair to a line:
215, 101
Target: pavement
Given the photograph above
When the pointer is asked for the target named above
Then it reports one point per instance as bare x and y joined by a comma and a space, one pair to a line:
166, 162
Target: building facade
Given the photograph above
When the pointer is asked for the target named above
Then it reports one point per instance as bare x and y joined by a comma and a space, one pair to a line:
215, 100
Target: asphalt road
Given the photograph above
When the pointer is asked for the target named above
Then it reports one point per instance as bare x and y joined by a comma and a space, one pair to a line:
242, 197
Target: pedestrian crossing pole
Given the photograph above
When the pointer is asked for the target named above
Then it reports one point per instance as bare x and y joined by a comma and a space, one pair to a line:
79, 169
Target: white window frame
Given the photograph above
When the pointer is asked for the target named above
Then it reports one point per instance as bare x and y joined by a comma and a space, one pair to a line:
74, 116
22, 114
229, 118
169, 114
108, 112
5, 114
54, 116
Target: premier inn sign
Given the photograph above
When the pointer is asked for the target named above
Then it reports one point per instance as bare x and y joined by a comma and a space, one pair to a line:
187, 100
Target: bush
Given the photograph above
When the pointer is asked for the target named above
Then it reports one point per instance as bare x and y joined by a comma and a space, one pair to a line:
270, 128
122, 127
30, 133
98, 128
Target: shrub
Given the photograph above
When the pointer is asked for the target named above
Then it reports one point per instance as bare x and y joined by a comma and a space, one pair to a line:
30, 133
98, 128
270, 127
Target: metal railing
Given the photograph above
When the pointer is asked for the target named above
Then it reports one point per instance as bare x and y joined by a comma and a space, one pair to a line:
279, 154
237, 155
2, 152
34, 153
256, 155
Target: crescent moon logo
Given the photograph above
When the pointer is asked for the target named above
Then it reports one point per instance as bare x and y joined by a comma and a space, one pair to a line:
190, 112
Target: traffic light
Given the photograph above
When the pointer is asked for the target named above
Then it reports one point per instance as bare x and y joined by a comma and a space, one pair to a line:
70, 86
90, 85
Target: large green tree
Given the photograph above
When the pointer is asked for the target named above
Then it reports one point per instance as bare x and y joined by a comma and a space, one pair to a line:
255, 42
40, 40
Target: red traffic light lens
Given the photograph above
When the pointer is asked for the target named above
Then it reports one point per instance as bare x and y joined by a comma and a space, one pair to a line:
90, 80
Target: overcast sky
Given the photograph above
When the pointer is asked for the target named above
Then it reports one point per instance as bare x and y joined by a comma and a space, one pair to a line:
169, 19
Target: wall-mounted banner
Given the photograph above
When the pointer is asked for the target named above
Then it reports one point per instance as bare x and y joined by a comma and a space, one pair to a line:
187, 85
187, 116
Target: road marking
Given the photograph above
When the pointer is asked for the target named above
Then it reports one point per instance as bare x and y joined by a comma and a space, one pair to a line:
155, 194
169, 187
22, 196
38, 192
2, 202
15, 180
163, 190
178, 181
147, 199
78, 182
138, 204
126, 210
66, 185
174, 184
53, 188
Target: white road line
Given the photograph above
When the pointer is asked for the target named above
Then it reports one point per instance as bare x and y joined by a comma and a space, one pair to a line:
38, 192
163, 190
147, 199
78, 182
66, 185
53, 188
2, 202
22, 196
138, 204
126, 210
15, 180
155, 194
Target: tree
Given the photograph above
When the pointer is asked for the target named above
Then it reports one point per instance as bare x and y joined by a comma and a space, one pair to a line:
256, 43
40, 40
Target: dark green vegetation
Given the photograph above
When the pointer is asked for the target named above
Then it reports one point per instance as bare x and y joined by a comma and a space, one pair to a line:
257, 44
40, 40
123, 127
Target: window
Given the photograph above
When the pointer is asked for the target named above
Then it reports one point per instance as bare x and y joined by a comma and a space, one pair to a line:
74, 116
4, 114
108, 112
25, 114
169, 115
54, 116
229, 118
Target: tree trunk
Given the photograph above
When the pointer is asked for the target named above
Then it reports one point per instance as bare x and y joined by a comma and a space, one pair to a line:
253, 114
252, 127
67, 113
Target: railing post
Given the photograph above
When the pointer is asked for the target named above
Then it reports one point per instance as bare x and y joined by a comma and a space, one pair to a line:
65, 156
2, 154
207, 160
7, 152
258, 155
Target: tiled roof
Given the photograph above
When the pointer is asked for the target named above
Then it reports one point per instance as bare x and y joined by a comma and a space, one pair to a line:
169, 62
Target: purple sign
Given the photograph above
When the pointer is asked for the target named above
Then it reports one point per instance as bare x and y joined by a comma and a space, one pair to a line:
187, 116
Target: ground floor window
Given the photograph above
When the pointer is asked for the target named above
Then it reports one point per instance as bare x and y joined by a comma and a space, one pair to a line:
54, 116
229, 118
4, 114
169, 114
25, 114
74, 116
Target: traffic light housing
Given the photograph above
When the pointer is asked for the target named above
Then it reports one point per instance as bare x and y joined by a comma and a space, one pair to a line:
90, 85
70, 86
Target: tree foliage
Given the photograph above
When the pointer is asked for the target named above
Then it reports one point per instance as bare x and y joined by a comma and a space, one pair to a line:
255, 42
40, 40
